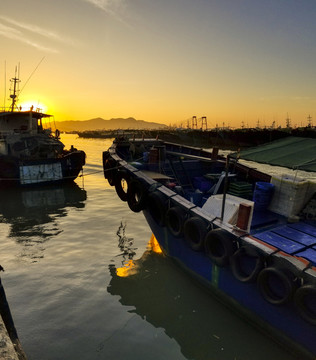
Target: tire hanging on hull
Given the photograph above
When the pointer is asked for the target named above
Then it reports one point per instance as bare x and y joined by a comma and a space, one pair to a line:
136, 195
157, 207
305, 301
110, 170
276, 286
175, 218
219, 246
246, 264
121, 182
194, 232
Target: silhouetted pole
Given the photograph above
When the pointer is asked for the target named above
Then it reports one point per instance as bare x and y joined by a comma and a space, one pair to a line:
194, 122
9, 324
204, 122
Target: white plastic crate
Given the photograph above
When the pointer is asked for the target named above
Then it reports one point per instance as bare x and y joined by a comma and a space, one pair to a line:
213, 206
290, 194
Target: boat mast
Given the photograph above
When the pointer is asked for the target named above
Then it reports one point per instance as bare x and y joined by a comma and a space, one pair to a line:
13, 95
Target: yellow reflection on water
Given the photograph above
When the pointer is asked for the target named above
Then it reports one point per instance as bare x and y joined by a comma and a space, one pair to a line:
153, 245
131, 266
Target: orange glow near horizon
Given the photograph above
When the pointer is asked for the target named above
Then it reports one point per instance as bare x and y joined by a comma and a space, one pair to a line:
228, 65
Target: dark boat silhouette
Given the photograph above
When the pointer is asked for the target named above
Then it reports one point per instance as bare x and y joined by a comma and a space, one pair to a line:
30, 153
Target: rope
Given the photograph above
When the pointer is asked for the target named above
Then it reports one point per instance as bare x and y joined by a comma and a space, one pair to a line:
31, 75
104, 170
93, 172
81, 175
64, 177
31, 179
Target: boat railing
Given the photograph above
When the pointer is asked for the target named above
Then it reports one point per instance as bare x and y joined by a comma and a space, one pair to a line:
5, 109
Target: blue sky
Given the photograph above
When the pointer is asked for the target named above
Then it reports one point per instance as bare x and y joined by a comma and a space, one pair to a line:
235, 61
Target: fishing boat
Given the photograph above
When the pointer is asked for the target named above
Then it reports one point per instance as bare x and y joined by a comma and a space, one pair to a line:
250, 237
30, 152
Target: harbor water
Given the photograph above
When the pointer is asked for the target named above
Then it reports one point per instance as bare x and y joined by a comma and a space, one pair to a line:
84, 282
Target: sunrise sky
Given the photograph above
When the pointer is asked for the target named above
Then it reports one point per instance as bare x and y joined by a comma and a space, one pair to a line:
233, 61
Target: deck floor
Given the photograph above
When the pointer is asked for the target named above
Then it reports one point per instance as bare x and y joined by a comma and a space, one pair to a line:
297, 239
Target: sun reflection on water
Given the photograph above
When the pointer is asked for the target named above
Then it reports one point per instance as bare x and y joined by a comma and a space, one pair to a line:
130, 267
153, 245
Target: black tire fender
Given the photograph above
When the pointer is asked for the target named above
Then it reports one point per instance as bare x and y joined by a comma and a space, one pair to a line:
110, 170
305, 301
157, 207
175, 218
242, 270
105, 157
194, 232
122, 179
282, 281
219, 246
136, 195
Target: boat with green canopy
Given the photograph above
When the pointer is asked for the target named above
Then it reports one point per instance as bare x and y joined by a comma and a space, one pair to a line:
248, 235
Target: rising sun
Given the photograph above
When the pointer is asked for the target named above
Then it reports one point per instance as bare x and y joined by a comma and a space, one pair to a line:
34, 105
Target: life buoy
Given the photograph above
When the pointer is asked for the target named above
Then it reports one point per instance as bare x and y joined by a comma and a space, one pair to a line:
175, 218
194, 232
121, 184
57, 134
276, 286
219, 246
305, 301
157, 207
246, 264
136, 195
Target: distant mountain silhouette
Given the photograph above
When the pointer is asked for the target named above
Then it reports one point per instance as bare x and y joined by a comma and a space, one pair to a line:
112, 124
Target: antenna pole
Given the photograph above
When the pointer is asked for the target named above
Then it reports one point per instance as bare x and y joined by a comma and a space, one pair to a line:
13, 96
5, 84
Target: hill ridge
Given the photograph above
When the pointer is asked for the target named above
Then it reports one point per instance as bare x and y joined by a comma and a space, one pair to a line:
111, 124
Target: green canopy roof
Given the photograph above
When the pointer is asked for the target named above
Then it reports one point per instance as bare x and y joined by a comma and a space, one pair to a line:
291, 152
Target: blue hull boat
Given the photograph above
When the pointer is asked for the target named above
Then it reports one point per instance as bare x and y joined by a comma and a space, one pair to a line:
248, 236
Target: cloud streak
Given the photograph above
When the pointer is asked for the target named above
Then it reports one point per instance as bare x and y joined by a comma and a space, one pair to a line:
106, 5
14, 34
37, 30
15, 30
111, 7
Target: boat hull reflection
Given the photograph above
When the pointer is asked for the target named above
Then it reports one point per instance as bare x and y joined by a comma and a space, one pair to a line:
33, 213
162, 296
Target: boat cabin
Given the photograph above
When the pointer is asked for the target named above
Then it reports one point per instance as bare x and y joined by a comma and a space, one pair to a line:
22, 136
21, 122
